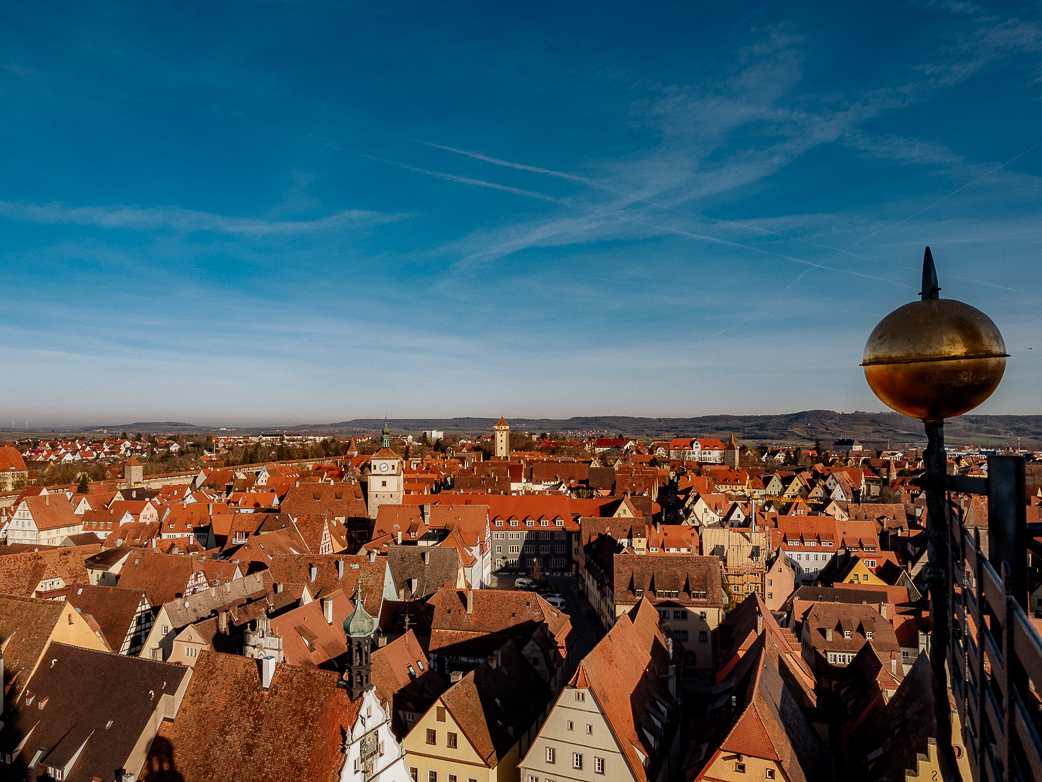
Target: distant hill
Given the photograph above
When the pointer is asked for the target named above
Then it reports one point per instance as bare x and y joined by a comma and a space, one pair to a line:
788, 428
802, 427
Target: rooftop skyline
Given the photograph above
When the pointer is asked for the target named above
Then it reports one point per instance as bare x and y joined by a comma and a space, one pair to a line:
276, 213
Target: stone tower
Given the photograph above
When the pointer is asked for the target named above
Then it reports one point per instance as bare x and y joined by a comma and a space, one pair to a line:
359, 628
731, 454
133, 473
502, 439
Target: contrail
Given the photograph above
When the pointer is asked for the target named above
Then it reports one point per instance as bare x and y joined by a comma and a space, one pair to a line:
465, 180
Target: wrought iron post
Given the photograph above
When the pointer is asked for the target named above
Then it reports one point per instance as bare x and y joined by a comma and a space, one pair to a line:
938, 557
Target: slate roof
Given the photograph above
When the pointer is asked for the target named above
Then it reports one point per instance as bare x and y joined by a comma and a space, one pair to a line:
99, 701
229, 727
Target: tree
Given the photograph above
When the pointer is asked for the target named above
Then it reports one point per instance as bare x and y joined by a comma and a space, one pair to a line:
817, 447
84, 485
123, 436
424, 439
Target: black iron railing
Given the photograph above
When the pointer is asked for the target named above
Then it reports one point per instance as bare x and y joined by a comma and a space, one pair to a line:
994, 653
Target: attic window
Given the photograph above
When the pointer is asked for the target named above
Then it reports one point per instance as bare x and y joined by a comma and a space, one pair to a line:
544, 523
559, 522
846, 634
513, 522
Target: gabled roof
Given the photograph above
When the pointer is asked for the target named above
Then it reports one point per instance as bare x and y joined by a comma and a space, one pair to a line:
114, 609
772, 726
96, 708
495, 617
293, 730
496, 702
627, 681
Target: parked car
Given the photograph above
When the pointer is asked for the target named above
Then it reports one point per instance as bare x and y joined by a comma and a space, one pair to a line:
556, 601
524, 583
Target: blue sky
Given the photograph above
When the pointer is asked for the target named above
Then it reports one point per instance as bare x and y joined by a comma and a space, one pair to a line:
258, 212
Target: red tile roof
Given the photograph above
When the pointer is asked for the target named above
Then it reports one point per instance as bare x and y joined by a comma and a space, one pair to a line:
228, 725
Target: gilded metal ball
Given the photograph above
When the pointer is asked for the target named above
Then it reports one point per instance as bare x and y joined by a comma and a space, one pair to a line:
934, 359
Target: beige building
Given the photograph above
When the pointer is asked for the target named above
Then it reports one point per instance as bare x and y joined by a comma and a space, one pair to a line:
742, 553
480, 727
614, 721
13, 472
686, 590
43, 520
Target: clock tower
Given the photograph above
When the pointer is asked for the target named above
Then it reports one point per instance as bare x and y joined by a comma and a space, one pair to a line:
386, 476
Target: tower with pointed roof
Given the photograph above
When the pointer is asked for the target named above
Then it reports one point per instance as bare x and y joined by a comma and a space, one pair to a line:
133, 473
502, 430
359, 628
386, 476
731, 453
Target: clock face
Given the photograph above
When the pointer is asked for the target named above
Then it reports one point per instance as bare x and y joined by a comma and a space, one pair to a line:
383, 467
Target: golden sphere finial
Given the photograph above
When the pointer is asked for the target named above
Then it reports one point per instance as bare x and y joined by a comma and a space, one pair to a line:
935, 358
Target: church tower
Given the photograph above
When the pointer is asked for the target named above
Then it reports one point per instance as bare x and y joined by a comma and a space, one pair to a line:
386, 476
502, 430
359, 628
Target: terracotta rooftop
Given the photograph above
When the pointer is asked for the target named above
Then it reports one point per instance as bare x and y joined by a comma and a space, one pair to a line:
114, 609
291, 731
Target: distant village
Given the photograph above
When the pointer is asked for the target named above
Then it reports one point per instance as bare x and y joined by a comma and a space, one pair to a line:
504, 607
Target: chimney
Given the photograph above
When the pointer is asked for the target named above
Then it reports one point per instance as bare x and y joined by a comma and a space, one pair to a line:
372, 556
381, 641
426, 557
455, 676
47, 499
426, 513
340, 568
759, 623
222, 622
313, 572
470, 602
882, 610
267, 671
828, 634
327, 609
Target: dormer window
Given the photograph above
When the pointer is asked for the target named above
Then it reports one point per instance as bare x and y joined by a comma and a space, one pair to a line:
529, 523
846, 634
638, 592
868, 634
513, 522
544, 523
